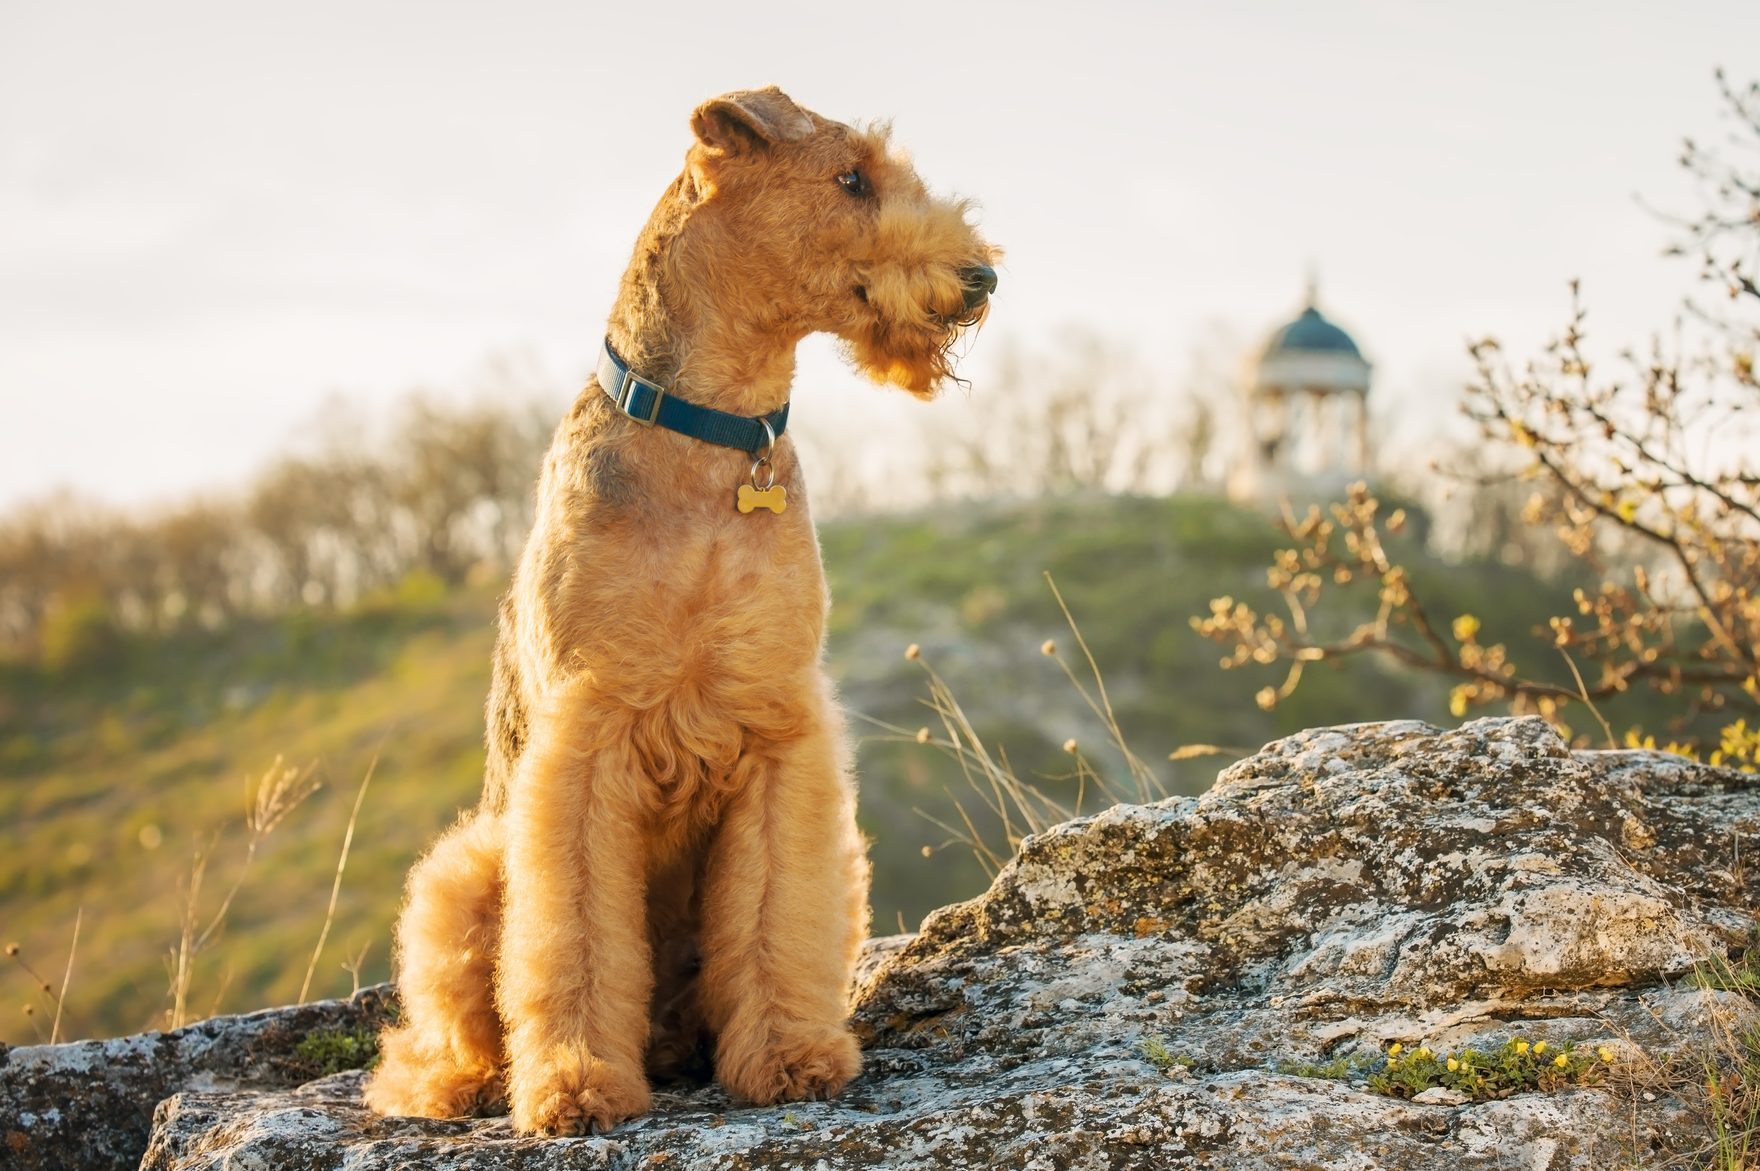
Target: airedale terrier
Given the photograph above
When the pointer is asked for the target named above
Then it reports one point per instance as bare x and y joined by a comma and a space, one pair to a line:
664, 870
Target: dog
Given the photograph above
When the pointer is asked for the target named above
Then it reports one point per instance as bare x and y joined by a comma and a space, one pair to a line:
664, 873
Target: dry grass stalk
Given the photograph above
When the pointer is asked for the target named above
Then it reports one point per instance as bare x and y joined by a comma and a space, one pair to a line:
281, 789
1149, 786
336, 885
43, 988
66, 977
184, 955
1021, 807
353, 966
1714, 1073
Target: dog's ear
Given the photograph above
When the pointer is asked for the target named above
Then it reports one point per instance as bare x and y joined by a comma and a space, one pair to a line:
748, 120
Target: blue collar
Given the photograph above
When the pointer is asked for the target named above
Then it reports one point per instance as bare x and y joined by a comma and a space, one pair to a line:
650, 405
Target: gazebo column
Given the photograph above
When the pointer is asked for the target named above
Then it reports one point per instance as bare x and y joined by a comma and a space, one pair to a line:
1360, 441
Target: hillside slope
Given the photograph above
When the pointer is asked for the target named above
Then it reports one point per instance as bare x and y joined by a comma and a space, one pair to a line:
111, 780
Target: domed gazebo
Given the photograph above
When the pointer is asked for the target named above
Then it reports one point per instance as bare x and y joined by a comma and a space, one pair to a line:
1308, 412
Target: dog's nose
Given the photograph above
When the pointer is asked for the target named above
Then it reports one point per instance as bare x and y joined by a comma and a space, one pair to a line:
979, 281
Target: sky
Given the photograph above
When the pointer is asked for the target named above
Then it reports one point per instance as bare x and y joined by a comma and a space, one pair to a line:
220, 221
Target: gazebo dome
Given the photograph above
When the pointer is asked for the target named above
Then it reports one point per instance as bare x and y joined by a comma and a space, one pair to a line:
1313, 333
1311, 355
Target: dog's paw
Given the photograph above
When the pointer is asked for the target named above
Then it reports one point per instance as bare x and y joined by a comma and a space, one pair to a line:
416, 1083
684, 1056
437, 1091
489, 1096
574, 1103
792, 1069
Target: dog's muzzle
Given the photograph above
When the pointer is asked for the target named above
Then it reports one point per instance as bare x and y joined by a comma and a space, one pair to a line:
979, 281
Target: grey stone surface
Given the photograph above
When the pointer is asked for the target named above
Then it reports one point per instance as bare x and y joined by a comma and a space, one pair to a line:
1124, 993
89, 1104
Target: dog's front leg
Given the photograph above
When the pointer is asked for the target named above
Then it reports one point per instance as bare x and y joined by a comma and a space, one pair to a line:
575, 976
785, 910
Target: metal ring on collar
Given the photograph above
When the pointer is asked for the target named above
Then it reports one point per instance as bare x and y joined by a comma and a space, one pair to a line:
769, 447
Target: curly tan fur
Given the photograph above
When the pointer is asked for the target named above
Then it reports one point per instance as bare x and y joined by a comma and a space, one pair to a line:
664, 871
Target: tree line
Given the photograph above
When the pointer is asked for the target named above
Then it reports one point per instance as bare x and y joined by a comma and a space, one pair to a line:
449, 488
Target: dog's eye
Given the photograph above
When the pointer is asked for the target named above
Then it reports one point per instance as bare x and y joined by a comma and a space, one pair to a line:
855, 183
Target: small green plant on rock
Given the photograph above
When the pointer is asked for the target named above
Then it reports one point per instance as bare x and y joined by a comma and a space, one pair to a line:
1339, 1069
328, 1051
1518, 1066
1156, 1053
1741, 974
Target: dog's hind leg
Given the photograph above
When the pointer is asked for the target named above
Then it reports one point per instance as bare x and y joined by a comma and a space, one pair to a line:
785, 910
444, 1060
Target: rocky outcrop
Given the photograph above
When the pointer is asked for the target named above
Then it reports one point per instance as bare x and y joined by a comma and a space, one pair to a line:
1154, 987
89, 1104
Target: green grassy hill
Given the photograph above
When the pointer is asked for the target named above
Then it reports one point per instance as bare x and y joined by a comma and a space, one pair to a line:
112, 778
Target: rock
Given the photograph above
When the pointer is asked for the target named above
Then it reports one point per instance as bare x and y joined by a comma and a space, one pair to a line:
88, 1105
1126, 993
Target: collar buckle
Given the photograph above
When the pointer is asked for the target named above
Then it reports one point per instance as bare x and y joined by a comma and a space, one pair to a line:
632, 382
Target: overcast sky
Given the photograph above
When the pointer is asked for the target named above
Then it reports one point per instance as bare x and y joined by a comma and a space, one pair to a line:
215, 215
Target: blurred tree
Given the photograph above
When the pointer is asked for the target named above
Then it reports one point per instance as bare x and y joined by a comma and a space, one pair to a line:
205, 574
1085, 415
462, 482
1649, 477
451, 488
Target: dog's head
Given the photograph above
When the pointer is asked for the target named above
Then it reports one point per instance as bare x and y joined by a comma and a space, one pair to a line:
809, 225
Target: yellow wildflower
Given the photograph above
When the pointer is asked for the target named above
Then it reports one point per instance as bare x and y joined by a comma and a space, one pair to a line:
1453, 1065
1561, 1061
1539, 1048
1393, 1049
1605, 1054
1465, 628
1521, 1046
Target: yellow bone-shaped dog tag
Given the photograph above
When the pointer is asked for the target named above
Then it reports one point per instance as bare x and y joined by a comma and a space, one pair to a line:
775, 498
